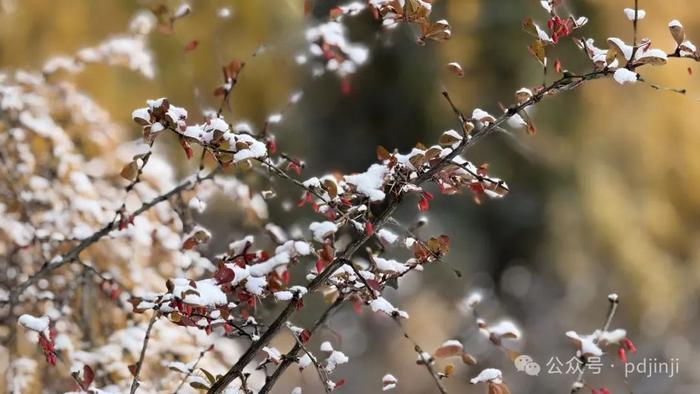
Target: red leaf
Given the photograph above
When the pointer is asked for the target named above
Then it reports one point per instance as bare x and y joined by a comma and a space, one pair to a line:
369, 228
629, 345
319, 265
557, 66
271, 145
187, 148
374, 284
88, 376
423, 204
294, 167
304, 336
357, 307
345, 86
224, 274
335, 12
191, 45
285, 277
622, 354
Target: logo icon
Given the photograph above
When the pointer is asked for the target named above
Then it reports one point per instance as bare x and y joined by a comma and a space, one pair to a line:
525, 363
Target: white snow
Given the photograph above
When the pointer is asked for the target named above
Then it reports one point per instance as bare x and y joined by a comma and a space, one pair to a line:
492, 375
505, 327
334, 359
326, 347
389, 382
380, 304
386, 265
623, 76
586, 344
38, 324
387, 236
624, 48
482, 116
614, 336
208, 292
321, 230
370, 182
629, 12
304, 361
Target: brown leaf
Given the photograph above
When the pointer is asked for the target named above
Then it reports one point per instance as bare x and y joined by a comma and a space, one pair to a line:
331, 188
537, 50
498, 388
449, 349
130, 171
382, 153
449, 370
448, 138
677, 32
468, 359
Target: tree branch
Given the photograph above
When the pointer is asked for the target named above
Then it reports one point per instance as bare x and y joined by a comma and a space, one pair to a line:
565, 83
74, 253
139, 363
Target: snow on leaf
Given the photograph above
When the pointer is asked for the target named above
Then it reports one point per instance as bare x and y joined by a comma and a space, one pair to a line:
388, 265
387, 236
369, 183
322, 230
455, 69
449, 348
482, 116
620, 47
334, 359
629, 12
380, 304
677, 31
623, 76
585, 344
389, 382
488, 375
38, 324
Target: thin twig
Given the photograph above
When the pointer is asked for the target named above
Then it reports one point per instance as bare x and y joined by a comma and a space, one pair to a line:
74, 253
421, 356
322, 373
291, 356
139, 363
191, 370
614, 302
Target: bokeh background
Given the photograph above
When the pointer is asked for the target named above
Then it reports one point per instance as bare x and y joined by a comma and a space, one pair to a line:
604, 198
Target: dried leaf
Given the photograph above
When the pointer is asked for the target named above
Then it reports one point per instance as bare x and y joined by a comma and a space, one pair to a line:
382, 153
449, 137
498, 388
455, 69
468, 359
537, 50
130, 171
677, 31
449, 349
